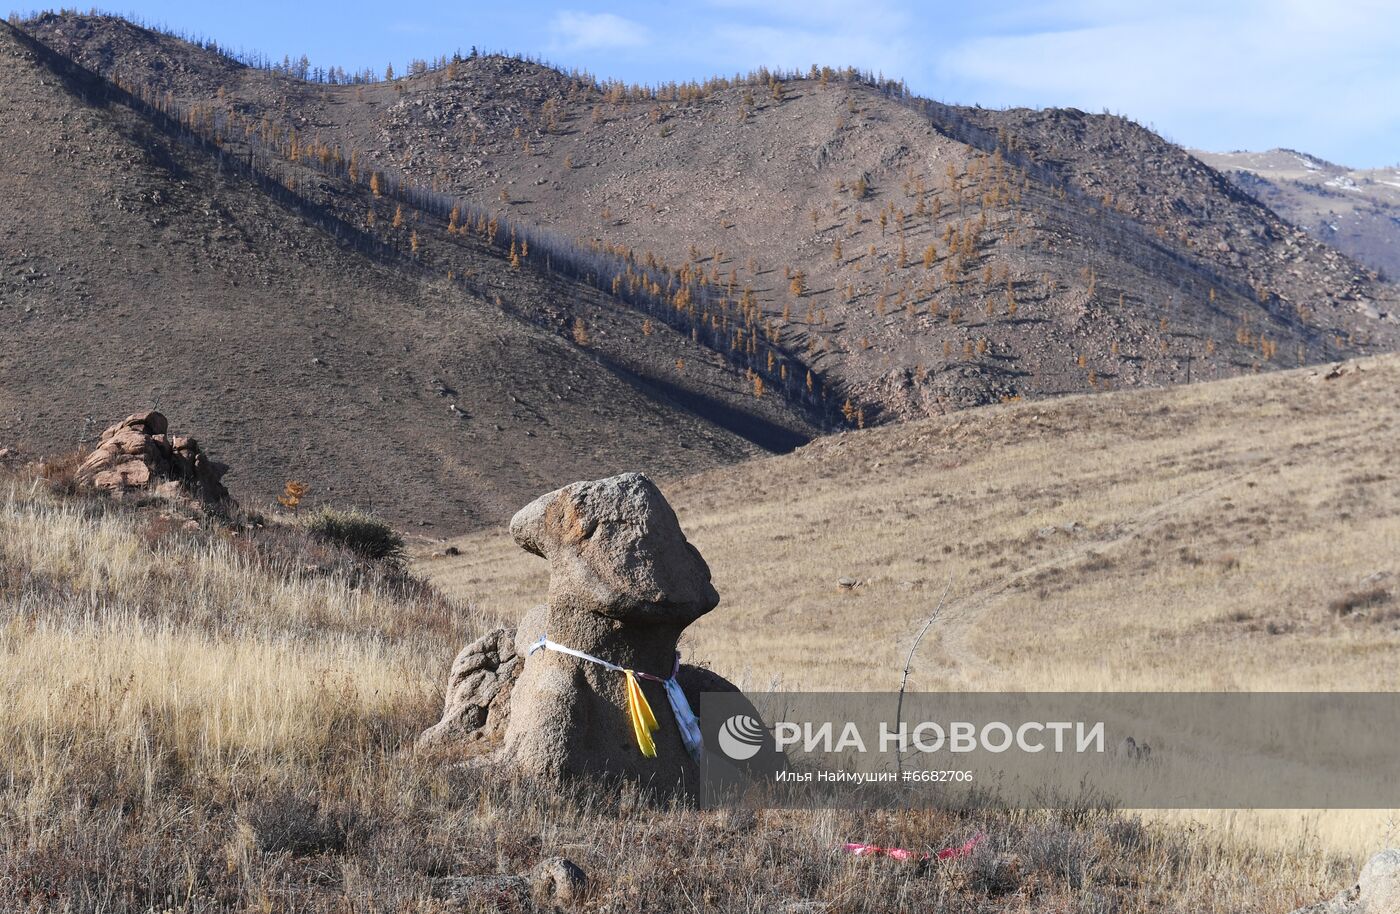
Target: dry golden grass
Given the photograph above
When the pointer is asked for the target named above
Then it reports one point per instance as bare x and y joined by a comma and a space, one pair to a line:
1200, 515
222, 720
118, 623
1194, 538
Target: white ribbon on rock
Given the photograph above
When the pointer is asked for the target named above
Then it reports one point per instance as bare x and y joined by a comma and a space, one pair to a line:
686, 720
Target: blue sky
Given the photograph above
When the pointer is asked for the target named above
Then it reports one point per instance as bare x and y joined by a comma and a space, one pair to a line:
1318, 75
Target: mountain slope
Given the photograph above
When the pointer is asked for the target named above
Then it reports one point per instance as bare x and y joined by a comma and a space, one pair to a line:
1066, 252
1237, 534
136, 271
1233, 535
1354, 210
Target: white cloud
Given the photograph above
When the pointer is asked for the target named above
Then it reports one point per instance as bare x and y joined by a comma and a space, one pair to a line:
1251, 73
794, 34
1312, 74
575, 31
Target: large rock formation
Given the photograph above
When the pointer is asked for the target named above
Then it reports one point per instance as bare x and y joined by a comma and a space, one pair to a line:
624, 583
139, 455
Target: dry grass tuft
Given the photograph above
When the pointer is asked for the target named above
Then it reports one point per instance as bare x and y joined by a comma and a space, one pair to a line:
1359, 601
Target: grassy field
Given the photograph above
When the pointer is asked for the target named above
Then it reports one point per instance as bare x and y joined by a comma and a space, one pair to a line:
204, 716
1241, 534
1202, 537
197, 717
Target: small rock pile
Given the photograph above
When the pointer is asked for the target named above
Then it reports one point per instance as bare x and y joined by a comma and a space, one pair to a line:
139, 455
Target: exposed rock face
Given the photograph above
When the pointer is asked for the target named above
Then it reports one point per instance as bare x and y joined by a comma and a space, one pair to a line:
1377, 889
483, 677
1379, 883
616, 550
478, 692
558, 881
624, 583
139, 455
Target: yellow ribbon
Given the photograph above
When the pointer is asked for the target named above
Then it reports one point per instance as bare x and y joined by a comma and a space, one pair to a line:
643, 721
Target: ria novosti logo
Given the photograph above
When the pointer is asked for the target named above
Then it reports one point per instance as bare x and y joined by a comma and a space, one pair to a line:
1033, 750
741, 737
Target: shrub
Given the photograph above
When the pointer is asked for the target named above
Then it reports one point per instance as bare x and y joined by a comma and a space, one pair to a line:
366, 536
297, 821
1357, 601
61, 472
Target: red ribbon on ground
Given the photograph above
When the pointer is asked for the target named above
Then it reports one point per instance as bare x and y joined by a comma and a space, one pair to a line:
857, 849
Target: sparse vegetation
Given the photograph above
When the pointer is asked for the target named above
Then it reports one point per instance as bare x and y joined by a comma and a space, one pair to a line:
360, 533
236, 731
996, 193
396, 311
292, 494
1145, 620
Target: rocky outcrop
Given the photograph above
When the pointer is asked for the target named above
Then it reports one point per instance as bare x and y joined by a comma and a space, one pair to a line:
483, 677
139, 455
624, 583
1376, 891
616, 551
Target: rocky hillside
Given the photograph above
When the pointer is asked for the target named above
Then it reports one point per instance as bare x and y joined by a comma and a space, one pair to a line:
141, 267
1354, 210
915, 257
